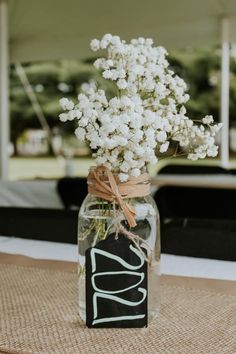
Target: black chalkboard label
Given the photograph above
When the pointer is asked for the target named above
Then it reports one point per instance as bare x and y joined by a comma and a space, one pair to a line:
116, 284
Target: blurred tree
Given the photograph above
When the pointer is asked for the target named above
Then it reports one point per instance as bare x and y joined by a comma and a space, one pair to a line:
201, 70
50, 81
53, 80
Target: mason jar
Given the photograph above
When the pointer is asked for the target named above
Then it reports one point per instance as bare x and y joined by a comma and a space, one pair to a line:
97, 221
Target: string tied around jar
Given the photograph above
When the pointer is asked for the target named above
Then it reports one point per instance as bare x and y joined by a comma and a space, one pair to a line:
102, 183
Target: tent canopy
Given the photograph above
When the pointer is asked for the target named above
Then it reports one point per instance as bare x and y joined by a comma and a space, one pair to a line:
54, 29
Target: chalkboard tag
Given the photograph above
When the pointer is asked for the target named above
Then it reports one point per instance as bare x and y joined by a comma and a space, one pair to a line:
116, 284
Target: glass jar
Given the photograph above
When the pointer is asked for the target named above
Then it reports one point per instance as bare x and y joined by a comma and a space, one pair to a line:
96, 222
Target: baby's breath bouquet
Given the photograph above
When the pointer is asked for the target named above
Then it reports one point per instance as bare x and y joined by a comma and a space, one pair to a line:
148, 112
119, 219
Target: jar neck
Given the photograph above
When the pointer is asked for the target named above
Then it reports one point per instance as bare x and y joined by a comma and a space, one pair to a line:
116, 173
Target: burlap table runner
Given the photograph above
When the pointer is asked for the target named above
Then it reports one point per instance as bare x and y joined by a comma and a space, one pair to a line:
38, 314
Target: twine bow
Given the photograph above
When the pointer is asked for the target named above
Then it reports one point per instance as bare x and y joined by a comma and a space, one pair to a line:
103, 184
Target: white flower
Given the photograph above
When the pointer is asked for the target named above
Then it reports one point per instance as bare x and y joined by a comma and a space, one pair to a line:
124, 129
71, 115
212, 151
122, 84
114, 103
142, 210
149, 117
77, 113
192, 157
138, 69
63, 117
161, 136
123, 177
98, 63
215, 128
128, 155
128, 129
164, 147
139, 151
189, 123
80, 133
107, 74
125, 166
83, 122
101, 160
95, 45
135, 172
208, 120
66, 104
63, 102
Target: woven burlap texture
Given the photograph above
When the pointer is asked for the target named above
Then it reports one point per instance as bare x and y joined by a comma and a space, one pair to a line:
38, 314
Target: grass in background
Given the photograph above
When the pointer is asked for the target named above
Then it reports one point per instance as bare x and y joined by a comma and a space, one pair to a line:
53, 168
46, 167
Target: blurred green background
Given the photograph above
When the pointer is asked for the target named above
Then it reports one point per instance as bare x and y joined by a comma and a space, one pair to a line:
35, 154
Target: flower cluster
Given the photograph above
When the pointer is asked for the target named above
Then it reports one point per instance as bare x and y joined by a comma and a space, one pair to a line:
130, 129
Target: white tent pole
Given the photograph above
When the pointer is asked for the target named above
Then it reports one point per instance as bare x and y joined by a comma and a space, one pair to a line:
4, 104
224, 109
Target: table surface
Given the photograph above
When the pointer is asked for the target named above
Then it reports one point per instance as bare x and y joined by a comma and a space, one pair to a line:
206, 306
219, 285
170, 264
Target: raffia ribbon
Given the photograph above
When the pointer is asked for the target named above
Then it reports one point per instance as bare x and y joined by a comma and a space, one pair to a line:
103, 184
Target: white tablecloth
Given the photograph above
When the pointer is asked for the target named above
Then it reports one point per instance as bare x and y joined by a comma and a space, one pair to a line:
171, 265
29, 194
